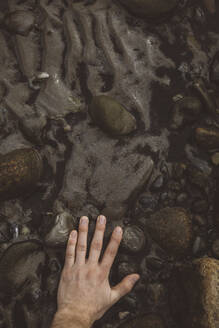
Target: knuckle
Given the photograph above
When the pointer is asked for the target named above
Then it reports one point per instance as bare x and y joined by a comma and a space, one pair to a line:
83, 228
69, 255
97, 245
127, 286
111, 252
81, 247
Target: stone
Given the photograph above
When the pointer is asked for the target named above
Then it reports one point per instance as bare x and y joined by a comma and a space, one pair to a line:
181, 198
19, 22
155, 294
214, 70
195, 299
59, 233
21, 262
215, 248
148, 201
158, 183
147, 321
154, 263
186, 110
215, 159
151, 9
207, 138
126, 268
133, 239
171, 228
199, 246
111, 116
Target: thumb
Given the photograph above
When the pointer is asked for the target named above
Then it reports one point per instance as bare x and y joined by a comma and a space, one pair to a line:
124, 287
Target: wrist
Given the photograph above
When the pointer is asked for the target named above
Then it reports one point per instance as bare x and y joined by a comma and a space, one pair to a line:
66, 318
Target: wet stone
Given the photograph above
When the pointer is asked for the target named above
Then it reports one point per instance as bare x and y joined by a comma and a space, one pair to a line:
154, 263
148, 201
181, 198
215, 158
149, 8
207, 138
126, 268
171, 228
199, 246
199, 220
215, 248
19, 22
186, 110
111, 116
195, 299
214, 72
158, 183
20, 262
133, 239
59, 233
147, 321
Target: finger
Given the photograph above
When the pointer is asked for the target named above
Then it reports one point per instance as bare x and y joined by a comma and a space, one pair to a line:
81, 247
70, 250
124, 287
112, 249
97, 241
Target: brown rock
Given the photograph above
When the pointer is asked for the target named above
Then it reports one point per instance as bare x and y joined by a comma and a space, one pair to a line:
207, 137
171, 228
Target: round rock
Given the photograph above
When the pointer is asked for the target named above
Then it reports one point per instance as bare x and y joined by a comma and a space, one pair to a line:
171, 228
207, 137
152, 9
111, 116
133, 239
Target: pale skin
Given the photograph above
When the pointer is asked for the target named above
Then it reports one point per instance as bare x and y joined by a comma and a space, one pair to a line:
84, 292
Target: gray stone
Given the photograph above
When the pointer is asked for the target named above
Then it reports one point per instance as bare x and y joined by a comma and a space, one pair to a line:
214, 72
126, 268
171, 228
149, 8
133, 239
20, 262
59, 233
111, 116
195, 299
186, 110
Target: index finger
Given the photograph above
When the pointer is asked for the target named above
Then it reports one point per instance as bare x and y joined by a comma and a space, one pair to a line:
112, 249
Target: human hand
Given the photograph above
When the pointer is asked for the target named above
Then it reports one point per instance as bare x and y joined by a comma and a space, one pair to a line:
84, 291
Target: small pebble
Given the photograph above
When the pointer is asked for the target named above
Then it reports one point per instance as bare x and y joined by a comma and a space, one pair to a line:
158, 183
148, 201
181, 198
123, 315
133, 239
199, 246
199, 220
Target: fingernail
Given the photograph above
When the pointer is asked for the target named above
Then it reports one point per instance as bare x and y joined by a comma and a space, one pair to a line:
84, 220
118, 230
73, 234
102, 219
